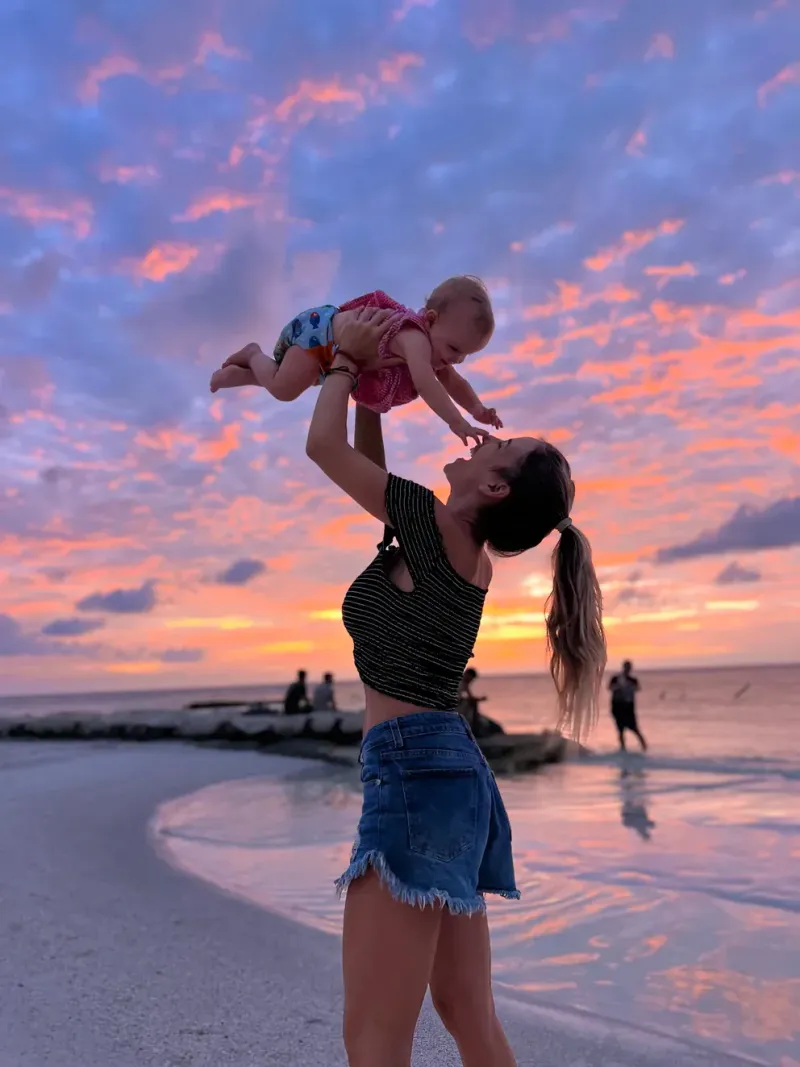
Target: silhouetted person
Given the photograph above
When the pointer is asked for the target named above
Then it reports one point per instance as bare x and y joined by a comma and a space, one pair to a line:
323, 699
296, 700
624, 688
481, 725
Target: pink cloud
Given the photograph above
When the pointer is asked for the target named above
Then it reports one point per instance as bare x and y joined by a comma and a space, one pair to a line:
38, 209
790, 75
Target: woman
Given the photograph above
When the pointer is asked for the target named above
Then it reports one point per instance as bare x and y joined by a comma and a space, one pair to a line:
434, 836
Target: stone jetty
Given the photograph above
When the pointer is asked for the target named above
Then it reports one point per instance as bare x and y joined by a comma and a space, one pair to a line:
328, 735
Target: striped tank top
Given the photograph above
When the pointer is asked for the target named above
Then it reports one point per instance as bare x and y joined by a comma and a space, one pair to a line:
413, 646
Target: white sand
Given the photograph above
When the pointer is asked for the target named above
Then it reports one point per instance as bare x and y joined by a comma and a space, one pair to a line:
110, 958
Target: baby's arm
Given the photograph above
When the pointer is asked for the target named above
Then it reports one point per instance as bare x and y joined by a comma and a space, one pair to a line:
466, 397
415, 348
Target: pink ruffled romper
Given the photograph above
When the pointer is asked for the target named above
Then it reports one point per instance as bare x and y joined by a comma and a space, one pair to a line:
382, 390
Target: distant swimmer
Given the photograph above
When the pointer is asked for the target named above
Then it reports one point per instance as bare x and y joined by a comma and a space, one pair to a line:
624, 687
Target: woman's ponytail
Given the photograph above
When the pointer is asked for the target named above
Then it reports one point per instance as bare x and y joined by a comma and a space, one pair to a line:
575, 637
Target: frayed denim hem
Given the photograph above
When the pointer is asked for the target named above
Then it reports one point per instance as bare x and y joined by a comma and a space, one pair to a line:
507, 894
417, 898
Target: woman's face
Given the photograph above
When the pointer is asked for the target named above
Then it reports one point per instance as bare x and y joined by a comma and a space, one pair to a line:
488, 461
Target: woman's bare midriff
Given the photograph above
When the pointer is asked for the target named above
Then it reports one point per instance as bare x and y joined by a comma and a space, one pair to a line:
380, 708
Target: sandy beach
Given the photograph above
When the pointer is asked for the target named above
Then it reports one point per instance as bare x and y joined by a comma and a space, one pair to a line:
113, 958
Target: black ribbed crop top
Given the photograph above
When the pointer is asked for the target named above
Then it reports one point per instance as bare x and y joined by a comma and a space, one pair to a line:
415, 645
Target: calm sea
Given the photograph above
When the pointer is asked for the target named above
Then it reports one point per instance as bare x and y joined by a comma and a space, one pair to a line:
740, 712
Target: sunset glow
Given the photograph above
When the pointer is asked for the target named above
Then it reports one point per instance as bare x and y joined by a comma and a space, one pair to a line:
623, 177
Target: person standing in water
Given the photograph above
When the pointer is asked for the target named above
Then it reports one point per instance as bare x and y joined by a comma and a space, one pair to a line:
434, 836
624, 687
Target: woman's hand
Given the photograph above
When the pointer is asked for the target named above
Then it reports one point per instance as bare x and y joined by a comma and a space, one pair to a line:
360, 338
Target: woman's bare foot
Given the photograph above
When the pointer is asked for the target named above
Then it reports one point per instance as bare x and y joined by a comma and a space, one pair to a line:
231, 377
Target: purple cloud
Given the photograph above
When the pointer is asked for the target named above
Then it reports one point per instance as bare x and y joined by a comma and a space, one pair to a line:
735, 573
14, 642
72, 627
241, 572
749, 528
121, 601
182, 655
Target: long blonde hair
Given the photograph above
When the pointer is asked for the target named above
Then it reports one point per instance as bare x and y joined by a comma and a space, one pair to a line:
576, 640
541, 494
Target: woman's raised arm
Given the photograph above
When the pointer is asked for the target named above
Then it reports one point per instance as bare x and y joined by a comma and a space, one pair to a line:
368, 437
361, 474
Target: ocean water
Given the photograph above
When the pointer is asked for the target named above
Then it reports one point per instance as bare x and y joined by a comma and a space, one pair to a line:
659, 892
738, 712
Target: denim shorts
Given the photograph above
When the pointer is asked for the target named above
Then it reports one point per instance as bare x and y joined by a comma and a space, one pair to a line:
433, 824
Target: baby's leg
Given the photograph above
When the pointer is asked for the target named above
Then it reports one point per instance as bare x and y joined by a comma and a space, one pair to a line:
232, 378
296, 372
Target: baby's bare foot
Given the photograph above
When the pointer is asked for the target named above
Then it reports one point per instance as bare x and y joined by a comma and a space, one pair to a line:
229, 378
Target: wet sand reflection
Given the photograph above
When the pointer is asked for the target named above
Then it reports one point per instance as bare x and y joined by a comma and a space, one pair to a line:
651, 896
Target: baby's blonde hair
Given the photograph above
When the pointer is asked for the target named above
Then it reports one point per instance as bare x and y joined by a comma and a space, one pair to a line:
465, 288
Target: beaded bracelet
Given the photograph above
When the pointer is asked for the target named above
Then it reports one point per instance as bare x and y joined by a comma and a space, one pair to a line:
343, 370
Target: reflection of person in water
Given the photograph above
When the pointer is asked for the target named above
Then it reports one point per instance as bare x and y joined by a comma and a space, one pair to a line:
481, 725
624, 687
634, 809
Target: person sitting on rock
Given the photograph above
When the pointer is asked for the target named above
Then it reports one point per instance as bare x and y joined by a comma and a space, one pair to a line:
296, 700
323, 699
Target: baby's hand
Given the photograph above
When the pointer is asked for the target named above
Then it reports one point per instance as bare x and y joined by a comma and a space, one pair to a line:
464, 431
489, 416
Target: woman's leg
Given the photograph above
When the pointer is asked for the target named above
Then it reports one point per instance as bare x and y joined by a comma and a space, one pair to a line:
461, 988
388, 954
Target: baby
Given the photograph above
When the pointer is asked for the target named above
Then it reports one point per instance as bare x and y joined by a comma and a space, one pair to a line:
418, 354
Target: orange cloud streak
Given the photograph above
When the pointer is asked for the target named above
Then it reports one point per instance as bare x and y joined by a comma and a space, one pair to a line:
219, 447
33, 207
109, 67
219, 200
632, 241
392, 70
666, 274
142, 173
165, 258
299, 104
116, 66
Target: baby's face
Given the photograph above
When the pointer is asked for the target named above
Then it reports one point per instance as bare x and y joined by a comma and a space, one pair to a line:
454, 335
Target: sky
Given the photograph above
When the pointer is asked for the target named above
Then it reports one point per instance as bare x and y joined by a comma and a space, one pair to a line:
179, 179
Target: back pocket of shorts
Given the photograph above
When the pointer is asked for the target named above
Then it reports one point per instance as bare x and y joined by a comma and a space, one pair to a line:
442, 810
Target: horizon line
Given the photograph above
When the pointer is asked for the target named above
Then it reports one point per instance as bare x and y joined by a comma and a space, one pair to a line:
356, 681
